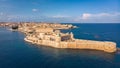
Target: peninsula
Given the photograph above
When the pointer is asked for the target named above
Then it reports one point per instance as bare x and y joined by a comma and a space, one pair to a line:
49, 34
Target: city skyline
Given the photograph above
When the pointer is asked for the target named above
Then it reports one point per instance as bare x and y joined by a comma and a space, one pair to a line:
80, 11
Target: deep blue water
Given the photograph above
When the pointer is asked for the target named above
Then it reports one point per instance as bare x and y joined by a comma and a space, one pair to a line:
16, 53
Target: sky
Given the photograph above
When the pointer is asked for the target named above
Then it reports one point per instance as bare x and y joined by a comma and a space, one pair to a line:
63, 11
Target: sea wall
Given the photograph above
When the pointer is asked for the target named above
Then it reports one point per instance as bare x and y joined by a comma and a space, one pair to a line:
77, 44
88, 44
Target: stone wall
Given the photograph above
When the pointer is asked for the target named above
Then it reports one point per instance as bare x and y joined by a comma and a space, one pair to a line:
88, 44
77, 44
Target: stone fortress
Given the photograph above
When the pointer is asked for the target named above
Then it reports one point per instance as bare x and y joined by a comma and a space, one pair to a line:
52, 37
48, 34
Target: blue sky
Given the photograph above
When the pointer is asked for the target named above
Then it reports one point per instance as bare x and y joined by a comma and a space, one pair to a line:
80, 11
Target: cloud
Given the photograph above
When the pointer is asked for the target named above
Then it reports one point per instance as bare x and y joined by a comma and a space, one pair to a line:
86, 16
99, 15
34, 10
60, 16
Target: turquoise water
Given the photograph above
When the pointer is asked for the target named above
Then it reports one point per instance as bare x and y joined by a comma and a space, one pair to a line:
16, 53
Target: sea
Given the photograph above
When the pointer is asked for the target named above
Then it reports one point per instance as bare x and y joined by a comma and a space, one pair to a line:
16, 53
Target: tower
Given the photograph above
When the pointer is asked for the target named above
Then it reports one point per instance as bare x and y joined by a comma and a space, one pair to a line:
58, 37
71, 36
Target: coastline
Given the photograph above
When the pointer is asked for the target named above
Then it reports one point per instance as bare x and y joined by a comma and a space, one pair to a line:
54, 38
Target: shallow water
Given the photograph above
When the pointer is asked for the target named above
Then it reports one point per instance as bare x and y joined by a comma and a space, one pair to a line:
16, 53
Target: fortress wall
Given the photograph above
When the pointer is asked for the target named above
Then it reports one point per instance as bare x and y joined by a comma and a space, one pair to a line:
63, 45
105, 46
78, 44
50, 43
88, 44
71, 45
109, 46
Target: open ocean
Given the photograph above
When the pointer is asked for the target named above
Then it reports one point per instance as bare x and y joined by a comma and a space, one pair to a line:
16, 53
